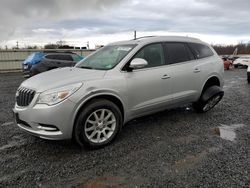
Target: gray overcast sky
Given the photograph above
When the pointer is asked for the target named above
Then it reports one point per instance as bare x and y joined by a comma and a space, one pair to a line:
37, 22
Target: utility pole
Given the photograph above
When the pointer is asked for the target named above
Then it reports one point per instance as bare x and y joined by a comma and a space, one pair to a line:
135, 34
87, 44
17, 45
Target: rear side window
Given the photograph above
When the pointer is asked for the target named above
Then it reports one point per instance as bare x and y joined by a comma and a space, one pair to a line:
200, 50
177, 52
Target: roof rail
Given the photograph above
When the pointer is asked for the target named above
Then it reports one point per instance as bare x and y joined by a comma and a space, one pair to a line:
143, 37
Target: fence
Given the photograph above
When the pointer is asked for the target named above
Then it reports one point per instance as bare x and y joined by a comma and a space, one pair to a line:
11, 60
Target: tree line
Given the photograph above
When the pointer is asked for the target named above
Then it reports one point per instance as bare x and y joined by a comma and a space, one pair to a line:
242, 48
229, 49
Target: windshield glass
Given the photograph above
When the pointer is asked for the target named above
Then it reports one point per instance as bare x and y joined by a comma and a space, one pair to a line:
106, 58
246, 57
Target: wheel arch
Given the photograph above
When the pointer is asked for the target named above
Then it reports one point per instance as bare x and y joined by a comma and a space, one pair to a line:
211, 81
110, 97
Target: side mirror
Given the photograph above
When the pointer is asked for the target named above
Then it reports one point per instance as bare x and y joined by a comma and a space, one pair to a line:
138, 63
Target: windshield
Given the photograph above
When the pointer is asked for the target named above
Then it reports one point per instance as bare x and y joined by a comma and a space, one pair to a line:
246, 57
106, 58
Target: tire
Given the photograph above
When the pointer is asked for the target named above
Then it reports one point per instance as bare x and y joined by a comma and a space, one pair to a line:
209, 98
98, 124
235, 66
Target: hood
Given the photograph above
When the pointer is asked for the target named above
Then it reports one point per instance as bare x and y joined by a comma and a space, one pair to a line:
34, 58
61, 77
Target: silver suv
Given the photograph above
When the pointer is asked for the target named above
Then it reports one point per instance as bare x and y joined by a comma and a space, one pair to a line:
121, 81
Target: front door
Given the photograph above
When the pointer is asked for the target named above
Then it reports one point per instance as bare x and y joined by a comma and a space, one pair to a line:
149, 88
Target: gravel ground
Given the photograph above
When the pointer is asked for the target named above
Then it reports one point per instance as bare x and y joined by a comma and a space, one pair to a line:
174, 148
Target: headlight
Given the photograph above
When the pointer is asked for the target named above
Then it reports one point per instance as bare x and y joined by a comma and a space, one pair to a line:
52, 97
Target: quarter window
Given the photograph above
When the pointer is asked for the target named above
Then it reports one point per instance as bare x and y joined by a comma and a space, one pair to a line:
177, 52
153, 54
200, 50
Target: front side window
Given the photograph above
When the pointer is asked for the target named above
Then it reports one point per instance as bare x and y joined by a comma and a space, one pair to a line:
200, 50
106, 58
177, 52
153, 54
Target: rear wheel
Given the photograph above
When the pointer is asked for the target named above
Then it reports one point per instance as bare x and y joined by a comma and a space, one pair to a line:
98, 124
210, 97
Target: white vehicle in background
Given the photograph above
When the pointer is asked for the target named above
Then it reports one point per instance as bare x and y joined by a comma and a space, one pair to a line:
248, 74
242, 61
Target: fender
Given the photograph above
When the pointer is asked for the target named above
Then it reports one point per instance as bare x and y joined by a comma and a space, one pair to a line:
93, 94
221, 81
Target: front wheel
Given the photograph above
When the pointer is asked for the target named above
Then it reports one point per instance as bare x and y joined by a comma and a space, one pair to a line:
98, 124
209, 99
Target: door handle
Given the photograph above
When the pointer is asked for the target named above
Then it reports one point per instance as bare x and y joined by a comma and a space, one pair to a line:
165, 76
196, 70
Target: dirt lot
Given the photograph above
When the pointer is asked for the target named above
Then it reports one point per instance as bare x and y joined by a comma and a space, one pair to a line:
174, 148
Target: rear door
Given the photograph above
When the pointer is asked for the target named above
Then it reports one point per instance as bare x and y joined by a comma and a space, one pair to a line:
65, 60
185, 74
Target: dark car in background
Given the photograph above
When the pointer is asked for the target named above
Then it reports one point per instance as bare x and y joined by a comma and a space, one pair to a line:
31, 60
41, 62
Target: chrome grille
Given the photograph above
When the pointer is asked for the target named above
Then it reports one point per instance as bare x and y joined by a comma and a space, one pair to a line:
24, 96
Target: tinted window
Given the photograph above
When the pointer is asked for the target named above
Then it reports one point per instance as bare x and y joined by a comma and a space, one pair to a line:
177, 52
65, 57
51, 56
60, 57
190, 53
153, 54
200, 50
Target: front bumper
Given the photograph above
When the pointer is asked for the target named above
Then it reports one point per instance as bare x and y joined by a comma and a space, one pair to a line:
48, 122
26, 70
